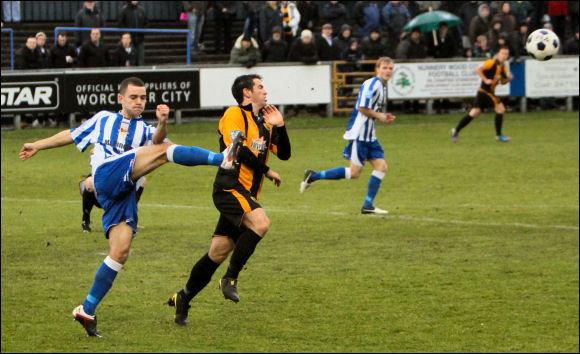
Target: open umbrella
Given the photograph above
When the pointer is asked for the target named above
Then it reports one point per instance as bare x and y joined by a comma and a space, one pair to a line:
429, 21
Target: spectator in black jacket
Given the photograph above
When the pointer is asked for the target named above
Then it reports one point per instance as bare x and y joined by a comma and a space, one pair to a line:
45, 59
62, 53
303, 49
275, 49
93, 53
571, 46
224, 13
323, 42
447, 45
334, 13
90, 17
125, 54
412, 47
374, 46
133, 16
27, 57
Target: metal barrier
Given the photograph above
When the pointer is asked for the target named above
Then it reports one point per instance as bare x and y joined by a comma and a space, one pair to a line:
345, 81
57, 29
11, 32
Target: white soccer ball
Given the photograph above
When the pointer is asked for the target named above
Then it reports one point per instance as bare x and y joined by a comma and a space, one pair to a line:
542, 44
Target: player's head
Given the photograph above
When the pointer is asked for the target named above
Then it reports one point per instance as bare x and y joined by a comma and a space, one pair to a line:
503, 53
384, 68
249, 89
132, 96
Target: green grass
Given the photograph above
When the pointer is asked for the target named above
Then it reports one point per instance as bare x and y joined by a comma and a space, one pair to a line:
478, 254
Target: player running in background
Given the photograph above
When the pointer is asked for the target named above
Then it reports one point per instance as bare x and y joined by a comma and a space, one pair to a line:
492, 72
242, 223
126, 149
362, 140
89, 198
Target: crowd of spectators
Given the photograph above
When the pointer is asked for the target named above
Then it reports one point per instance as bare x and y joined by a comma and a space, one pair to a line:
309, 31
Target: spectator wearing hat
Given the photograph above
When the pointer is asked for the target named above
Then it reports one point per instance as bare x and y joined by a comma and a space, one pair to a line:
269, 18
342, 41
323, 42
412, 47
303, 49
494, 33
275, 50
374, 45
245, 52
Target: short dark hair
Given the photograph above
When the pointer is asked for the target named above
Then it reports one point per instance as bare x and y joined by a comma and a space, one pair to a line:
135, 81
241, 83
503, 47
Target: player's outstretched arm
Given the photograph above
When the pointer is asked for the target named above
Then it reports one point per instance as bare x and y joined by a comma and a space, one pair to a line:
57, 140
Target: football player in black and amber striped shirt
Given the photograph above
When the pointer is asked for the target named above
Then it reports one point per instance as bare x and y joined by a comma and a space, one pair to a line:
492, 72
243, 222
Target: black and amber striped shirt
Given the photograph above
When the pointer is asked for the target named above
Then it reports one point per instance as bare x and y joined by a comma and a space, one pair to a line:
492, 69
261, 138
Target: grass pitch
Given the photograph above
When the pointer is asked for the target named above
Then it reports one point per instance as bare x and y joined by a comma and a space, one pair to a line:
478, 254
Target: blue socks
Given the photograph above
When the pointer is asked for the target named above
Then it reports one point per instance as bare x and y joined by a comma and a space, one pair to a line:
373, 188
103, 281
193, 156
335, 173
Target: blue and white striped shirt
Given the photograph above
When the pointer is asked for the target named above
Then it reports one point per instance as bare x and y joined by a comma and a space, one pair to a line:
373, 95
112, 134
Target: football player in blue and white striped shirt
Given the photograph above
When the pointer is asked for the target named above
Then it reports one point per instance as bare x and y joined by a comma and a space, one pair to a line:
362, 140
126, 148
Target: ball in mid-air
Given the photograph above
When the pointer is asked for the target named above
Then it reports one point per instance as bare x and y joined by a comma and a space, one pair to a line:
542, 44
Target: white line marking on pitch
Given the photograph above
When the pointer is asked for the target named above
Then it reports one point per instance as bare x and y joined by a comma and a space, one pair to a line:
278, 210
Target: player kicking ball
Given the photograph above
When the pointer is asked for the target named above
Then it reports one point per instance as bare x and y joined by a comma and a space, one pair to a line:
126, 149
363, 144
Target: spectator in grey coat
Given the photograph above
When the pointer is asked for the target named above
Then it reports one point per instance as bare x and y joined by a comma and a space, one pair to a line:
269, 18
395, 16
90, 17
480, 24
334, 13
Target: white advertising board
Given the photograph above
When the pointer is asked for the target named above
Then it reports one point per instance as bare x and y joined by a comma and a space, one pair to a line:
556, 77
295, 84
437, 80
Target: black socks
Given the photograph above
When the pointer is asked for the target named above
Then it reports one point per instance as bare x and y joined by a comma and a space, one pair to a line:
244, 248
200, 276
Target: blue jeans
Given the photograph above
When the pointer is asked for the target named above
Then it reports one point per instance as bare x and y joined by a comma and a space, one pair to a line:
195, 25
11, 11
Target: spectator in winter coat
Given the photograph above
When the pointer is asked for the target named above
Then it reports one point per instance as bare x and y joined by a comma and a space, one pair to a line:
571, 46
269, 18
93, 53
334, 13
27, 57
89, 16
133, 16
245, 52
308, 15
412, 47
303, 49
125, 54
395, 15
374, 46
275, 49
290, 20
63, 54
447, 46
367, 15
508, 21
342, 41
480, 24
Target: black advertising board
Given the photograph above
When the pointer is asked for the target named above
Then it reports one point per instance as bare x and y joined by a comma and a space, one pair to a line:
94, 90
30, 92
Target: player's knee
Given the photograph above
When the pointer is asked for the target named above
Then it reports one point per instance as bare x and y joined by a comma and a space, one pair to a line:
120, 255
500, 109
220, 249
475, 112
355, 173
261, 226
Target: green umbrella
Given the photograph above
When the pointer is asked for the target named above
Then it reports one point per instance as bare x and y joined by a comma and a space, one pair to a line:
429, 21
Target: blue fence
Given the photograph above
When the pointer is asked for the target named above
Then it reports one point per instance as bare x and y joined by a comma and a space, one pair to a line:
57, 29
9, 30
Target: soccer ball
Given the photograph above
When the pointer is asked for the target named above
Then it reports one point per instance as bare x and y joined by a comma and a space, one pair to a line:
542, 44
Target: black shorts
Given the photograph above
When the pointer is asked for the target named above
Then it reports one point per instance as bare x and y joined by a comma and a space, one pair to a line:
485, 99
232, 205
